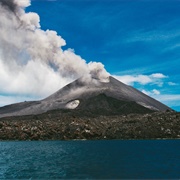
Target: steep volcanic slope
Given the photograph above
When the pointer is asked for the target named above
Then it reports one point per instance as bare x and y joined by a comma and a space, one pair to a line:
87, 96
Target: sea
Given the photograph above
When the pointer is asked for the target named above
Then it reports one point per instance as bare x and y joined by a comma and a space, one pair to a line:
100, 159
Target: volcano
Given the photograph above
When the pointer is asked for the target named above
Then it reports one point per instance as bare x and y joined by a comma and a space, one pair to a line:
103, 98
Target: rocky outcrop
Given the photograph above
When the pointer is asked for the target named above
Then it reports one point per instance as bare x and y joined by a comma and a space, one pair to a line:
58, 125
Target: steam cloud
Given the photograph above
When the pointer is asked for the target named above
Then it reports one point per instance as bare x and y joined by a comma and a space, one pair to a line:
32, 61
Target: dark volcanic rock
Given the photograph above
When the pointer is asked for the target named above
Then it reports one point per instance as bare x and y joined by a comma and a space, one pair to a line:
105, 105
58, 125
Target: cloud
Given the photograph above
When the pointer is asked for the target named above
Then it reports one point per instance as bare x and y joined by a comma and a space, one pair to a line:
23, 3
169, 97
152, 92
35, 79
158, 75
155, 78
171, 100
153, 36
172, 84
4, 100
156, 92
32, 60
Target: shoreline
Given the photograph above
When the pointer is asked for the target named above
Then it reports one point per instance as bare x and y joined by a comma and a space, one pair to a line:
84, 140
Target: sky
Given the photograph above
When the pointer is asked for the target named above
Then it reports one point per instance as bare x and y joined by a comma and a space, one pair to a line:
138, 42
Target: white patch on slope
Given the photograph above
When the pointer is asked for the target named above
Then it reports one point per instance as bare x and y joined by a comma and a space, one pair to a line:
147, 106
73, 104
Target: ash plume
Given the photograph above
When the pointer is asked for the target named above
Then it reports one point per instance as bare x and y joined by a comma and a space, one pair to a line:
9, 4
32, 61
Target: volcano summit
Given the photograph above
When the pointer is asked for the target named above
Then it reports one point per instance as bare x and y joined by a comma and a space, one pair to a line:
103, 98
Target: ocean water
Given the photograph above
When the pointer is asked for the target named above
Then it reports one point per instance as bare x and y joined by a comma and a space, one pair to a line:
106, 159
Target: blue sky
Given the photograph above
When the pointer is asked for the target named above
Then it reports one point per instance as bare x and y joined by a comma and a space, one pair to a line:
134, 39
138, 41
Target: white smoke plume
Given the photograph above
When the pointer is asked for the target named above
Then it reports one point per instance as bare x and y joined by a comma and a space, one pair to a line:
32, 61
